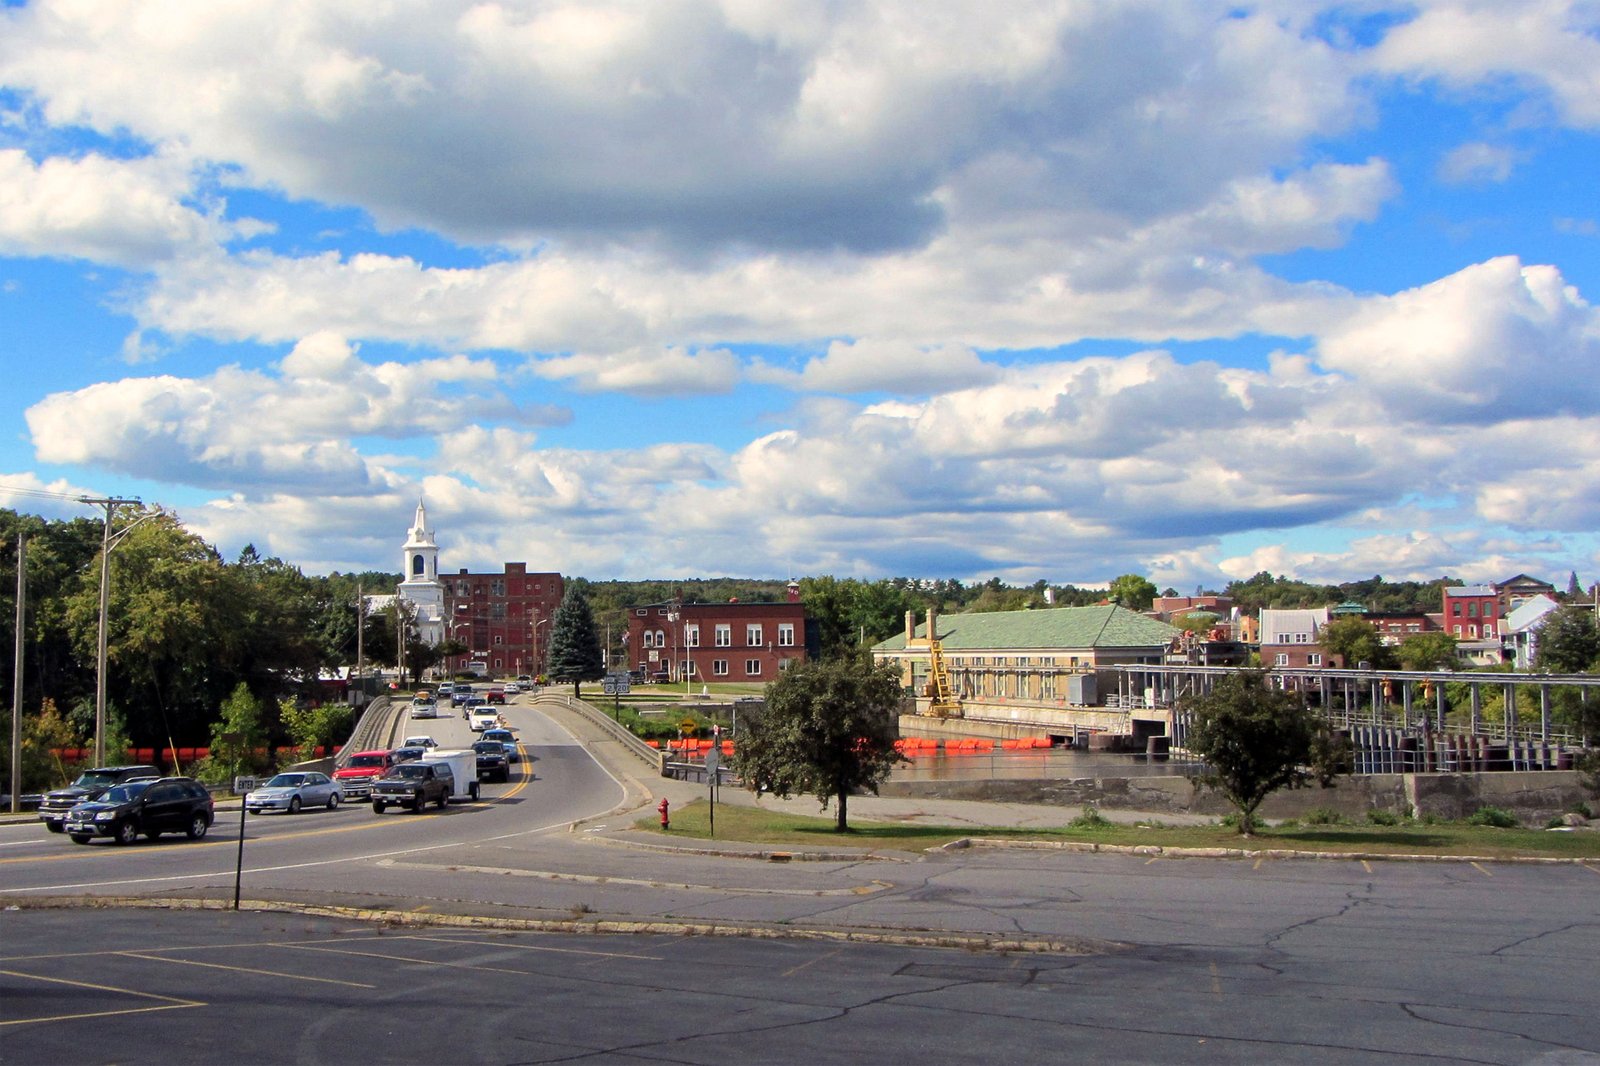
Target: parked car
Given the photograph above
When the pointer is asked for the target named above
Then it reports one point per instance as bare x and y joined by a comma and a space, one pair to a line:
294, 790
421, 740
355, 777
91, 784
144, 808
506, 738
492, 762
414, 785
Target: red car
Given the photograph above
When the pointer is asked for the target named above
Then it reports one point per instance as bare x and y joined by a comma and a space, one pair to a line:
497, 694
355, 777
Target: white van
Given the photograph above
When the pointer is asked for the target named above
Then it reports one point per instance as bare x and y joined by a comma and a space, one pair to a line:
463, 768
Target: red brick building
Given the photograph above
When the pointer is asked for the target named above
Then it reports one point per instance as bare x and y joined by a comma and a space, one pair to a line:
704, 642
1472, 612
503, 619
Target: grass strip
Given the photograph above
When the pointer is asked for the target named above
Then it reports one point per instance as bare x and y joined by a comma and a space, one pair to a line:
737, 822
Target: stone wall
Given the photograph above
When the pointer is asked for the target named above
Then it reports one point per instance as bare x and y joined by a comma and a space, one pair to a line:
1534, 798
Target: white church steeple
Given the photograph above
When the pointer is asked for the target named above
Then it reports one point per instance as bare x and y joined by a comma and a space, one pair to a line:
420, 586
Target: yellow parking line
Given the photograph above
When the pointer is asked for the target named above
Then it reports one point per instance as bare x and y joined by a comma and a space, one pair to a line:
1366, 866
1591, 869
243, 969
1482, 871
168, 1002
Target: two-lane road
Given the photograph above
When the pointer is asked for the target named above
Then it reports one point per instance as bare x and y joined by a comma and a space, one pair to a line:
556, 783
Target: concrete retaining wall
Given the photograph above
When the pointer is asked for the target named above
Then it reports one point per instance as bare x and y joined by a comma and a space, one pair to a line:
1534, 798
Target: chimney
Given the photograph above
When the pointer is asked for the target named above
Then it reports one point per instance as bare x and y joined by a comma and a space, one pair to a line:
933, 623
911, 626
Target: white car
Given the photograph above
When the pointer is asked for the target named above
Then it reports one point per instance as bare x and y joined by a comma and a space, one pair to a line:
420, 741
484, 717
424, 709
512, 688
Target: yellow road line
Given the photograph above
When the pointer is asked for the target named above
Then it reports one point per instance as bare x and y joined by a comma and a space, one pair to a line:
812, 962
1484, 872
243, 969
168, 1002
1216, 981
1366, 866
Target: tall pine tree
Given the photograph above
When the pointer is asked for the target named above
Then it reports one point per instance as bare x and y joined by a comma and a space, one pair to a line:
574, 643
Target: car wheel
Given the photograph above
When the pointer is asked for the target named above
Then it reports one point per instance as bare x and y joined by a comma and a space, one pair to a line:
419, 804
377, 808
55, 827
444, 800
80, 838
198, 826
333, 800
126, 833
294, 804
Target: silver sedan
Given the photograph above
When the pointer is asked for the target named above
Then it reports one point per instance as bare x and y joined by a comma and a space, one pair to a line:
292, 791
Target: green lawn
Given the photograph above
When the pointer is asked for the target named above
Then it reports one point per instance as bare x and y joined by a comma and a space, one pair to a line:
740, 822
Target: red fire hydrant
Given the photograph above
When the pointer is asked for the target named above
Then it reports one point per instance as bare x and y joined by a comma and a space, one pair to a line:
666, 823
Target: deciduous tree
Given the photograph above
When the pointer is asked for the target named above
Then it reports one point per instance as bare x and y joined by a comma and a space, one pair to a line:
1255, 739
828, 729
1133, 591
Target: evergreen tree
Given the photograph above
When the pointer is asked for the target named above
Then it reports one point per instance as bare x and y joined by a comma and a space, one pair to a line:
575, 653
1574, 589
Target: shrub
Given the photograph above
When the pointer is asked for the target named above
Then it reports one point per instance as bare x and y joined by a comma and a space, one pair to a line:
1581, 808
1091, 818
1377, 817
1323, 816
1496, 817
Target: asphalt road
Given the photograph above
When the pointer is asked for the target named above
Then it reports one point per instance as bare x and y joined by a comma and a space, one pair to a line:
1170, 960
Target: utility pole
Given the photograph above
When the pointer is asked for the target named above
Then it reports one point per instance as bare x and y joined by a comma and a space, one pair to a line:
16, 675
110, 503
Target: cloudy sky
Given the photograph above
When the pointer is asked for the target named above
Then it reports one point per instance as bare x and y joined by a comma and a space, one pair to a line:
702, 287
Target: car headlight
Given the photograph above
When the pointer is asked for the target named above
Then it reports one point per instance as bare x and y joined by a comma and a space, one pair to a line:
105, 816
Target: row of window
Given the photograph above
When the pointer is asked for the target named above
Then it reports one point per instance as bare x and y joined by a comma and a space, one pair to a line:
754, 636
1472, 609
719, 668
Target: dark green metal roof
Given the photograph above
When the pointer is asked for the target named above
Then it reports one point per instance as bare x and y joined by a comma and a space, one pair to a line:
1106, 626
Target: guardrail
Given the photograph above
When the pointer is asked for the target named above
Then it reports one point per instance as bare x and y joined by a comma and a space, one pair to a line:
652, 757
375, 730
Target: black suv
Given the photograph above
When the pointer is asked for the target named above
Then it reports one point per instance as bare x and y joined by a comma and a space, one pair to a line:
492, 762
91, 784
147, 808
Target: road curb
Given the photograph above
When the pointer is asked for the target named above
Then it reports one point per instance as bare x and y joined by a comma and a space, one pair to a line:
582, 926
762, 854
1159, 851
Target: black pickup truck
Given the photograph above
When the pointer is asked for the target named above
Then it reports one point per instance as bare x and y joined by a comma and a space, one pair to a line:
414, 785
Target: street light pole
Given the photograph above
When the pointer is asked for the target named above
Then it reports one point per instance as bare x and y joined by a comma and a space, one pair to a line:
110, 504
16, 676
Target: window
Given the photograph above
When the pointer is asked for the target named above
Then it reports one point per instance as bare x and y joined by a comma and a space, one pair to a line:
1302, 638
752, 668
1488, 629
785, 634
1458, 631
752, 636
661, 638
499, 639
724, 636
719, 667
1472, 631
691, 636
1472, 609
1455, 609
1314, 659
1282, 659
497, 587
647, 639
416, 566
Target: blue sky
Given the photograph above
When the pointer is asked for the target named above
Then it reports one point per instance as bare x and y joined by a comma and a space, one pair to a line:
1037, 290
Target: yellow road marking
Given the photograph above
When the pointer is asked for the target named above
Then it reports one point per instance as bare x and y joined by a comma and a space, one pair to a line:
812, 962
243, 969
1257, 866
1366, 866
1484, 872
1591, 869
1152, 859
1216, 981
168, 1002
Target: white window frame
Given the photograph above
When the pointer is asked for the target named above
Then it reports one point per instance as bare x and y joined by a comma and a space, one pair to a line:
719, 668
785, 634
752, 668
1282, 659
691, 635
752, 635
1314, 659
724, 635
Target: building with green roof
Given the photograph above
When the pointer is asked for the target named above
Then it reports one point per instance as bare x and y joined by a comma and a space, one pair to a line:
1019, 673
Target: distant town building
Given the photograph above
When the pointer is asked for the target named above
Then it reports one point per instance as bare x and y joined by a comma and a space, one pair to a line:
702, 642
420, 588
503, 619
1519, 634
1291, 638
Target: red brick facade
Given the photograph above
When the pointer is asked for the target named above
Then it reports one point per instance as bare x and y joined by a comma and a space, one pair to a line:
704, 642
503, 619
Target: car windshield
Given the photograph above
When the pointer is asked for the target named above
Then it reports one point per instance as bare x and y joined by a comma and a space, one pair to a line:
124, 793
94, 780
368, 760
287, 781
489, 747
411, 770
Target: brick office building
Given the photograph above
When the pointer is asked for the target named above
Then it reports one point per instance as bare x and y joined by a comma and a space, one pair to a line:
503, 619
703, 642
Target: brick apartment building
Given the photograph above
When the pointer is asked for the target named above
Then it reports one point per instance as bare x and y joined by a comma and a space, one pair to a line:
503, 619
704, 642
